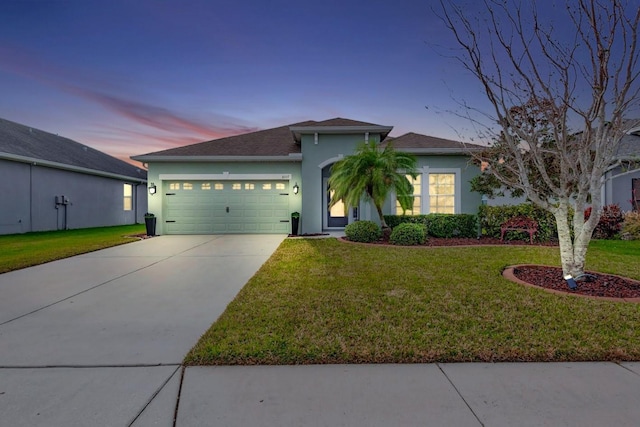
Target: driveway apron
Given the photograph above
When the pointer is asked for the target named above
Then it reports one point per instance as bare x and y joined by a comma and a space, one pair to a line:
93, 339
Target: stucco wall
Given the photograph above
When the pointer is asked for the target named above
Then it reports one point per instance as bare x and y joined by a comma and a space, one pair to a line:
328, 150
618, 190
94, 201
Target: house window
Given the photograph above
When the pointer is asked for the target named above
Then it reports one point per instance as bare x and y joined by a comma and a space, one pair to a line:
442, 193
128, 197
417, 197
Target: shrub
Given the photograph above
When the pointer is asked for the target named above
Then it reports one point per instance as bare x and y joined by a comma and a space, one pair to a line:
492, 217
408, 234
631, 226
439, 225
363, 231
610, 222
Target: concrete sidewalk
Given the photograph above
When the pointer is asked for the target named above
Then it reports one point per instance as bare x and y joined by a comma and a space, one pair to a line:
503, 394
97, 340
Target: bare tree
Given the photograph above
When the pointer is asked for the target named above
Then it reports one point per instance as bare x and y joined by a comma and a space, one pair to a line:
560, 99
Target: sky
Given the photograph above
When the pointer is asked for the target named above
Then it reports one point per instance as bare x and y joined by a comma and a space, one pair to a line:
134, 77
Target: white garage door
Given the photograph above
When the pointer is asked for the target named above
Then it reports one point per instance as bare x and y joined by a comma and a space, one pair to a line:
212, 207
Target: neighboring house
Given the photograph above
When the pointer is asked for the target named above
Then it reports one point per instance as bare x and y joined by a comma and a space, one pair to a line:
251, 183
621, 181
49, 182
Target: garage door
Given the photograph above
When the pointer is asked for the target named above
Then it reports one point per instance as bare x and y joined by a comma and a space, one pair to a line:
212, 207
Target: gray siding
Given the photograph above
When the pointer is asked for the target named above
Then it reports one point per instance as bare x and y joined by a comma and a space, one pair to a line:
94, 201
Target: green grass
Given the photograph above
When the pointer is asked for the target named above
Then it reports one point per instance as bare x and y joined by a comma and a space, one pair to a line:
325, 301
25, 250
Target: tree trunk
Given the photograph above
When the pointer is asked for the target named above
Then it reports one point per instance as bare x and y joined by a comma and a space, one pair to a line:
564, 239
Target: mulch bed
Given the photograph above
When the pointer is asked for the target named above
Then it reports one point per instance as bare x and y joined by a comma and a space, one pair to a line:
600, 285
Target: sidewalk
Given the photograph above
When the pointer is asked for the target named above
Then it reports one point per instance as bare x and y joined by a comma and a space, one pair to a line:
502, 394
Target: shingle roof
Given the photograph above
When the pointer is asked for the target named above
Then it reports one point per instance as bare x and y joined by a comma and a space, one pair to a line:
629, 147
278, 141
413, 140
24, 141
269, 142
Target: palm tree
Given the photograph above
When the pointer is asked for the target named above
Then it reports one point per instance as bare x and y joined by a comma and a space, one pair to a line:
372, 173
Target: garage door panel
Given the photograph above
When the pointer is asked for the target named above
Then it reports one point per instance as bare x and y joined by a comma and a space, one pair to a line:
223, 207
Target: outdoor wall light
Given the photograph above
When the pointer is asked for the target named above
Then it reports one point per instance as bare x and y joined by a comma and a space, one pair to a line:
296, 188
152, 189
571, 282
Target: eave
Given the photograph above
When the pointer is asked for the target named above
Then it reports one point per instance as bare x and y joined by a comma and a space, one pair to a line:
293, 157
55, 165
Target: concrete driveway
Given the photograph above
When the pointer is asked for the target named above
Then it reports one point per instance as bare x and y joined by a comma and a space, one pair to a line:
98, 339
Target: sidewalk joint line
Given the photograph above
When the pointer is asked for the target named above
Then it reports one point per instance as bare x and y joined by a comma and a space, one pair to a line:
175, 412
153, 396
625, 368
460, 394
138, 365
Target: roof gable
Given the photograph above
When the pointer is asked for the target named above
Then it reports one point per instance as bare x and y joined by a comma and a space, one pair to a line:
34, 144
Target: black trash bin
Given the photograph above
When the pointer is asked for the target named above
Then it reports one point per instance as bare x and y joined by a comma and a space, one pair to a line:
150, 223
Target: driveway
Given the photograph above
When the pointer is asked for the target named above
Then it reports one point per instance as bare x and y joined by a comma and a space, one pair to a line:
95, 339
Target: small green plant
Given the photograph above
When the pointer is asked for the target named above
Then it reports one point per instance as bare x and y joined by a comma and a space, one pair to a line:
295, 214
631, 226
408, 234
363, 231
439, 225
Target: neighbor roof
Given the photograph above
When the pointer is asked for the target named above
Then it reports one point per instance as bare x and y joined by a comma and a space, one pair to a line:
418, 143
27, 144
629, 147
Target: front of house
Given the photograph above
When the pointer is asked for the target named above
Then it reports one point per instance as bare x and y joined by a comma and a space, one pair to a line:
251, 183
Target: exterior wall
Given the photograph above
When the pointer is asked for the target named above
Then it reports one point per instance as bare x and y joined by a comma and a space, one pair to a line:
329, 149
156, 201
94, 201
618, 189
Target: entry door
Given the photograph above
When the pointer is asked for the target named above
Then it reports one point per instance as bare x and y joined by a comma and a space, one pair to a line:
336, 217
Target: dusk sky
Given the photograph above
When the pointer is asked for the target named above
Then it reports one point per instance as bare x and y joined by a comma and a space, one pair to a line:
132, 77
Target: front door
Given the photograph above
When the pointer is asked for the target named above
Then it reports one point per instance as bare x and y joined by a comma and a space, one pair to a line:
335, 216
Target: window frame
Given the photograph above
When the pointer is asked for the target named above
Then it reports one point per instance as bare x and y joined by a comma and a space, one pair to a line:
457, 187
127, 200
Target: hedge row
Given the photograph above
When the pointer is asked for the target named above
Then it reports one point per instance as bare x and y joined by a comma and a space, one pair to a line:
439, 225
491, 217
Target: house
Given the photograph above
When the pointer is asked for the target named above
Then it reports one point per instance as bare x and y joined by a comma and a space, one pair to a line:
49, 182
621, 181
251, 183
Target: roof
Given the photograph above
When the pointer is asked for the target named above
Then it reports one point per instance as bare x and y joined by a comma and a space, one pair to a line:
23, 143
418, 143
629, 147
277, 143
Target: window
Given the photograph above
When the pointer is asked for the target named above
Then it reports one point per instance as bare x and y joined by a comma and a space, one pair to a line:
417, 197
206, 186
236, 186
266, 186
442, 193
280, 186
128, 197
249, 186
187, 186
174, 186
218, 186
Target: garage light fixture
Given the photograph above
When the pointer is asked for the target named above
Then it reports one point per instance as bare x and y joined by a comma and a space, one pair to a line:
152, 189
296, 188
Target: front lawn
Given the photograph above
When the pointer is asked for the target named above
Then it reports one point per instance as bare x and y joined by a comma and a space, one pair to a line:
325, 301
25, 250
